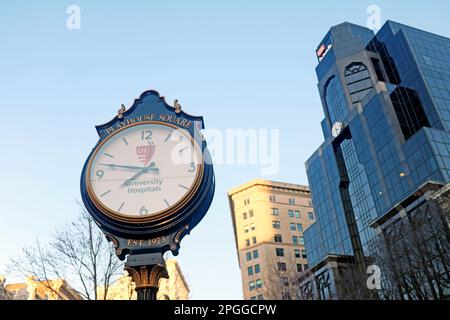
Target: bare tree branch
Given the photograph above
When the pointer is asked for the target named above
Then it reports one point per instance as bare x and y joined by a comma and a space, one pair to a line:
414, 254
77, 253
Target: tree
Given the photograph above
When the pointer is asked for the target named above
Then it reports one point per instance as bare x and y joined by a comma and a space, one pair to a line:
413, 253
351, 282
4, 295
78, 253
340, 278
280, 282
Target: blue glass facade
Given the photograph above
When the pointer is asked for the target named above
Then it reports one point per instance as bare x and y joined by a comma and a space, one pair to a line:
391, 93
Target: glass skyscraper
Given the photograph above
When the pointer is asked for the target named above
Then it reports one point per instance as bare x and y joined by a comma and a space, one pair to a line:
386, 100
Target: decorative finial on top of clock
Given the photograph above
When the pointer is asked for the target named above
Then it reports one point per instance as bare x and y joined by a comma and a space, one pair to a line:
121, 111
177, 106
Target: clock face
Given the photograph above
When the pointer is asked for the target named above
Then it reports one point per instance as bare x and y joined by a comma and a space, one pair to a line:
337, 129
144, 170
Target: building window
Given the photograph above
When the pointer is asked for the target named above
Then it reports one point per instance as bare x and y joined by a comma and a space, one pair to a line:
254, 240
297, 253
299, 267
310, 215
378, 71
275, 212
250, 271
246, 202
245, 229
304, 254
305, 267
358, 81
295, 240
299, 227
324, 285
258, 283
247, 242
248, 256
281, 266
276, 224
335, 100
292, 201
250, 213
257, 269
260, 297
291, 213
251, 285
278, 238
252, 227
255, 254
280, 252
409, 111
292, 226
388, 62
297, 214
301, 241
272, 199
244, 215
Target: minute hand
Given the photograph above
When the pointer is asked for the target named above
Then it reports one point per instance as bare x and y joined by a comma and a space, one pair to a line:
151, 167
121, 166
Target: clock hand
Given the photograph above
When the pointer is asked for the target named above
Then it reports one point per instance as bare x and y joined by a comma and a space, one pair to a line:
137, 175
113, 166
151, 167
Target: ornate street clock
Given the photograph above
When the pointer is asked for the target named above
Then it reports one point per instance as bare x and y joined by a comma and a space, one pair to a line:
147, 183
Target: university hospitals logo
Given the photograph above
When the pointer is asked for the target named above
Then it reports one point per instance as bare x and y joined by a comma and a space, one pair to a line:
145, 153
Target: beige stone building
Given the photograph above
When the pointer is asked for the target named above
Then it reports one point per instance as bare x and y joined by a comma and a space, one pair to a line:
174, 288
33, 289
268, 220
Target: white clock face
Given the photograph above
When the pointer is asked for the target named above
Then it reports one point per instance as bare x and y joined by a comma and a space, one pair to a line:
144, 170
337, 129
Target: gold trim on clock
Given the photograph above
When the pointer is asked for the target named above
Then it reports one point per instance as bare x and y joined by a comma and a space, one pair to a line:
158, 215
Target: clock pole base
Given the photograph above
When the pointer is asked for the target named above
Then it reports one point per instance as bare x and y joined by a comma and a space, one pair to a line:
146, 270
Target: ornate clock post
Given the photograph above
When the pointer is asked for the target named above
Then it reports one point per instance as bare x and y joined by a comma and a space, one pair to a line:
146, 271
147, 183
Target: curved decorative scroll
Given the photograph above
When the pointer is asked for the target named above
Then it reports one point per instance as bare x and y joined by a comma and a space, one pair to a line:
115, 242
177, 238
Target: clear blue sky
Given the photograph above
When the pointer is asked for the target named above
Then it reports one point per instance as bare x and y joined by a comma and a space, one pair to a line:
239, 65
